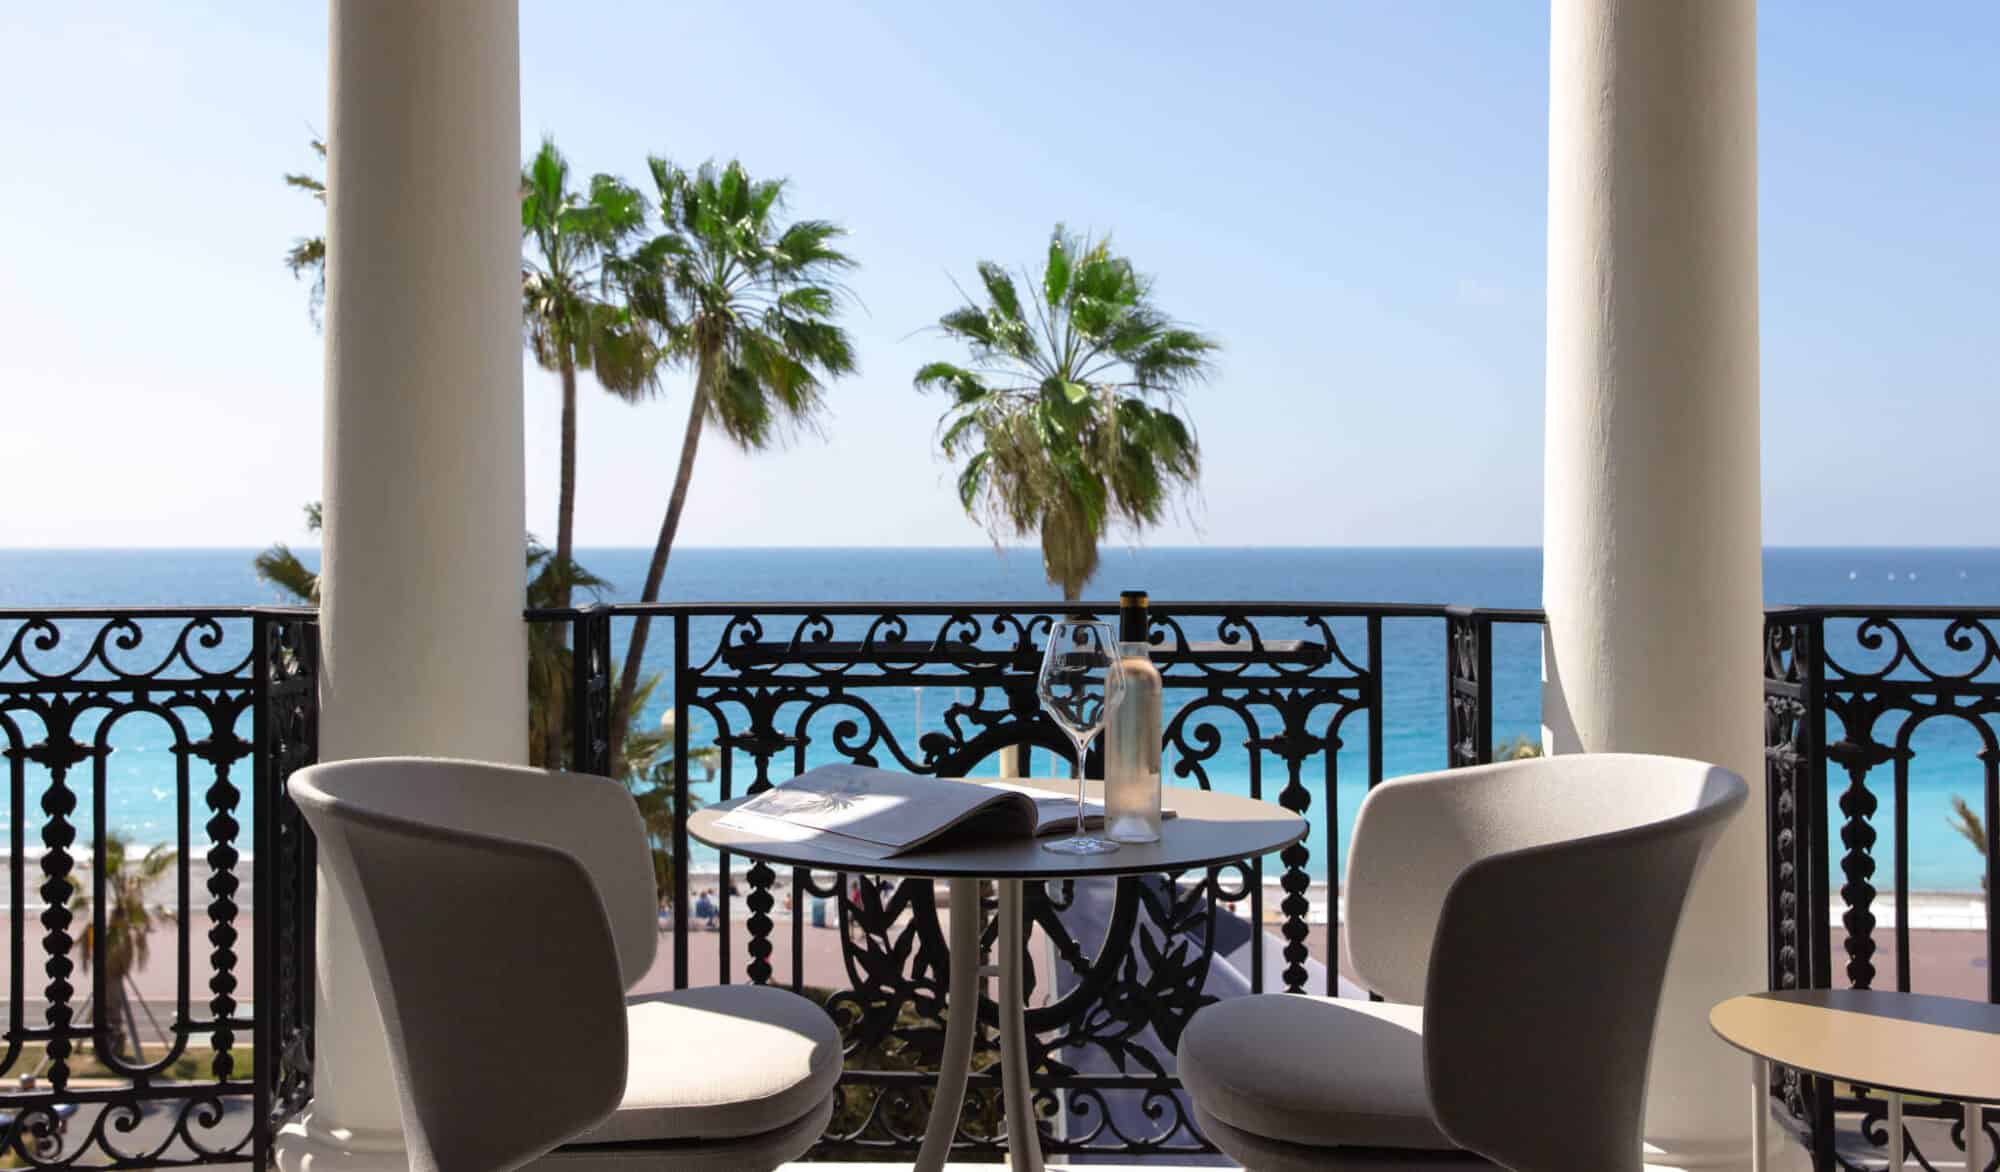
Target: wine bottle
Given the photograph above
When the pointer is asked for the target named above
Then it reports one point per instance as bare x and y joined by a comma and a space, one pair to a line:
1132, 732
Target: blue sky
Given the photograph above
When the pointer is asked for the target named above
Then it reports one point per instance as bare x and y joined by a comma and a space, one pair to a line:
1351, 197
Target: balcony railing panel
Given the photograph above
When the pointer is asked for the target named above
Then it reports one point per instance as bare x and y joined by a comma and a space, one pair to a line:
776, 689
1848, 692
287, 866
1287, 701
106, 1072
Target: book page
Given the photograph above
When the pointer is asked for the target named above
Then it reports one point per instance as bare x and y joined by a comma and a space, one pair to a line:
1054, 812
873, 812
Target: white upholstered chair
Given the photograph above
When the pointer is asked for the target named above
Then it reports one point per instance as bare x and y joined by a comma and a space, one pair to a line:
503, 914
1517, 918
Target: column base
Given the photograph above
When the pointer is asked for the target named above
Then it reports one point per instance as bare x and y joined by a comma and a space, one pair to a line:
308, 1144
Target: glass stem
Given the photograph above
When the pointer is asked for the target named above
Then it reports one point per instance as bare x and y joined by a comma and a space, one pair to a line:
1082, 747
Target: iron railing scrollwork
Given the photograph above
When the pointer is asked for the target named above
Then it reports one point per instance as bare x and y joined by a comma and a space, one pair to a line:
1468, 668
81, 690
1847, 691
1795, 788
590, 690
774, 688
1284, 686
1469, 685
1283, 699
287, 696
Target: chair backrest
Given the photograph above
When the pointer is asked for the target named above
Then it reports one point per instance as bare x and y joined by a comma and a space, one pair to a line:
1555, 887
500, 911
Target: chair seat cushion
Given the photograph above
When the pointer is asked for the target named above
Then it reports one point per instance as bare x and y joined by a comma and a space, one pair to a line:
721, 1061
1276, 1155
749, 1153
1322, 1071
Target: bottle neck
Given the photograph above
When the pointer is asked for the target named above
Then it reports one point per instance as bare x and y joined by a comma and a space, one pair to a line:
1135, 648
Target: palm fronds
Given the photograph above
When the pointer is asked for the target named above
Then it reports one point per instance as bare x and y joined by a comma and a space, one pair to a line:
282, 568
571, 316
307, 255
1068, 416
1971, 826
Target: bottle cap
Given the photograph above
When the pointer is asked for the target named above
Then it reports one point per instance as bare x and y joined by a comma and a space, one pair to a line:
1132, 616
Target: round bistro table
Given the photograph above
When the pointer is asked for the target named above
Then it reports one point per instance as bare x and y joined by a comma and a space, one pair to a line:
1208, 829
1898, 1043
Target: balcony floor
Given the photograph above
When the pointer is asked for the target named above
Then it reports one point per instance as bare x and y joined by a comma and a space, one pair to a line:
1792, 1159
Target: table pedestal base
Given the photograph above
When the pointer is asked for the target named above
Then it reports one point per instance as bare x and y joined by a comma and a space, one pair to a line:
1760, 1114
961, 994
1024, 1147
1024, 1141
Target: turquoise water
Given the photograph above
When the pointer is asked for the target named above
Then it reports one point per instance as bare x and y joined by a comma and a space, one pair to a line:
141, 786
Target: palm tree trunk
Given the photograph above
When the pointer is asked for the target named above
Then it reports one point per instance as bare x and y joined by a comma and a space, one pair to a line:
111, 1010
566, 491
557, 699
635, 651
134, 1044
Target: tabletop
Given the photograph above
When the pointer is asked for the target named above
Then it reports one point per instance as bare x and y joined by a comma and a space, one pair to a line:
1208, 829
1901, 1042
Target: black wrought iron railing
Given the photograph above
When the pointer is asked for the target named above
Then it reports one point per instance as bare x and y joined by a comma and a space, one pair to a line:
779, 688
1470, 689
193, 1055
151, 923
1287, 700
1852, 697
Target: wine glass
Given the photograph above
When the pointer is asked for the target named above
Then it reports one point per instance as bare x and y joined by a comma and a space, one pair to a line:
1080, 681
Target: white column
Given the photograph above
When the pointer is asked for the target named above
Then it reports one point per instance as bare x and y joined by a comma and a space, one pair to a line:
423, 646
1652, 571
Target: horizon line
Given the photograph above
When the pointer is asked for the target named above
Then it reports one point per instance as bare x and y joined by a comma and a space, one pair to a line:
999, 549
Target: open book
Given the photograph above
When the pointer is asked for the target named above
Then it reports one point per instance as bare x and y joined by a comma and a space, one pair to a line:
878, 814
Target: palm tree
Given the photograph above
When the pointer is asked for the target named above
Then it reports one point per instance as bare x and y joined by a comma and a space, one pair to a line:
749, 303
282, 568
1968, 823
571, 320
128, 926
1069, 415
308, 253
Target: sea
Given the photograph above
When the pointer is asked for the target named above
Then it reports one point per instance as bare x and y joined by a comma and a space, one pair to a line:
141, 793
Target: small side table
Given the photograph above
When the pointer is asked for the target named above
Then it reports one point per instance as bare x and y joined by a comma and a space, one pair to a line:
1898, 1043
1209, 829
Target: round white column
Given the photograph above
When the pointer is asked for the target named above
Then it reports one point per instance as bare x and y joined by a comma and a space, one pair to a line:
1652, 574
423, 647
